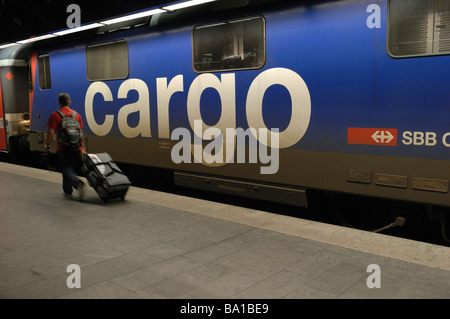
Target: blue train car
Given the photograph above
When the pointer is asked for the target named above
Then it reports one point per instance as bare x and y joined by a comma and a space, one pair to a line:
267, 99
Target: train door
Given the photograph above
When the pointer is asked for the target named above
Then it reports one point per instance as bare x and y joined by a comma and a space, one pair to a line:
14, 104
3, 144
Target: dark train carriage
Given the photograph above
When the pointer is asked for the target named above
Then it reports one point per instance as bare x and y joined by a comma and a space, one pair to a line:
15, 94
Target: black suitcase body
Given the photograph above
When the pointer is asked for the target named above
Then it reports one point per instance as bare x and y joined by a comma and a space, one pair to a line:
105, 176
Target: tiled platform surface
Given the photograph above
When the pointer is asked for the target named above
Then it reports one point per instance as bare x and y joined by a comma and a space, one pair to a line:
158, 245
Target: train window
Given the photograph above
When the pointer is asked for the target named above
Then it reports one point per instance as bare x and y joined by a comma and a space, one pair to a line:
229, 45
45, 81
418, 28
107, 61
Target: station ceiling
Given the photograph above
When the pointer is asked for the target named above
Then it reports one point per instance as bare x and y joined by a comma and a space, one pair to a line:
21, 19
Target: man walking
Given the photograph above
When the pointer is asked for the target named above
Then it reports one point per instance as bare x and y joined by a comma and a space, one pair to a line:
68, 125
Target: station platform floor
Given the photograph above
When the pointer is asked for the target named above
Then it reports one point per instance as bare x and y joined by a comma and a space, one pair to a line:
157, 245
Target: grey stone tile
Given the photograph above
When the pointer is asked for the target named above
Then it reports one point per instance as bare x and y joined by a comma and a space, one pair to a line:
114, 239
30, 262
314, 265
275, 287
166, 233
360, 290
43, 289
274, 262
19, 279
427, 284
152, 292
139, 279
190, 242
69, 250
164, 251
104, 290
190, 223
227, 286
95, 256
16, 255
115, 267
136, 245
223, 231
337, 279
295, 245
42, 239
402, 265
190, 280
305, 292
391, 282
404, 280
243, 258
259, 236
217, 251
363, 259
52, 270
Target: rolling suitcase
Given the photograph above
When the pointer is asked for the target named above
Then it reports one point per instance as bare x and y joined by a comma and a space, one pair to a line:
103, 174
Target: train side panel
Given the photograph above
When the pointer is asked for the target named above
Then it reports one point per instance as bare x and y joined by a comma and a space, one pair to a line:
351, 118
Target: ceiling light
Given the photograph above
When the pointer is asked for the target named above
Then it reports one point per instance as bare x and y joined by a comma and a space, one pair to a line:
79, 29
42, 37
133, 16
186, 4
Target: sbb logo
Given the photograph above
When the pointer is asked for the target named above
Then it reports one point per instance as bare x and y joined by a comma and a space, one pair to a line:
419, 138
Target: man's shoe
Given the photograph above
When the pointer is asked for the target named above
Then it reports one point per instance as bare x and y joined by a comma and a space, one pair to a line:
67, 195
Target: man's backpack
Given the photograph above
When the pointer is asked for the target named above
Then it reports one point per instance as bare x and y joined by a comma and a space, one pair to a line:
70, 135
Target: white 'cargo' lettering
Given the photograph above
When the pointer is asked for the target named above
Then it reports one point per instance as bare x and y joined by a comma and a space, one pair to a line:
225, 87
